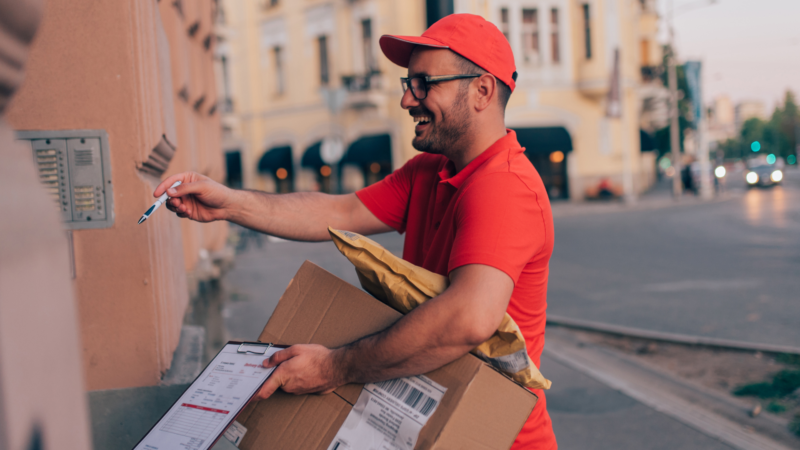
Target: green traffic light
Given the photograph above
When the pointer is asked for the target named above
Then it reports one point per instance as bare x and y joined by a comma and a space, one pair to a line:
755, 146
771, 159
791, 159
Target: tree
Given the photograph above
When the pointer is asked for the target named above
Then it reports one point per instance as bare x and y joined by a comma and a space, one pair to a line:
685, 116
777, 136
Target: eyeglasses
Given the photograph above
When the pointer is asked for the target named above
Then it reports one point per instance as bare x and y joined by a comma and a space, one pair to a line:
419, 85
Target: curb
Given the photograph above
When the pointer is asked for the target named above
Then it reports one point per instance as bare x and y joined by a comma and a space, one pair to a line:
677, 399
677, 338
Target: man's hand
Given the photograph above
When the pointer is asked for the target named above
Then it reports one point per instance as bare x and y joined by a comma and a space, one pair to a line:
303, 369
197, 198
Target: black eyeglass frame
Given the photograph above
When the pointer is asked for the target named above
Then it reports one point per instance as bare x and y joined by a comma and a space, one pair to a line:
406, 82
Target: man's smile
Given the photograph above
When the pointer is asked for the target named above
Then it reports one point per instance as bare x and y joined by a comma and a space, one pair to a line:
423, 122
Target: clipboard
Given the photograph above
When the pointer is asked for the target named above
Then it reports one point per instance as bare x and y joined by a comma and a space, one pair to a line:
215, 398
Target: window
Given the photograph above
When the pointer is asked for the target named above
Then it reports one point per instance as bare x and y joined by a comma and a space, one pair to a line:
530, 35
437, 9
324, 70
587, 31
556, 54
277, 51
366, 38
226, 84
645, 52
504, 23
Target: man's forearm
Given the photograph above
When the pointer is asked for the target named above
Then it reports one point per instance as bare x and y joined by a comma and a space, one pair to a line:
427, 338
302, 216
435, 333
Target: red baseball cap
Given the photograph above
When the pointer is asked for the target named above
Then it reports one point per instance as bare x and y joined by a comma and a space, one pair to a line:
468, 35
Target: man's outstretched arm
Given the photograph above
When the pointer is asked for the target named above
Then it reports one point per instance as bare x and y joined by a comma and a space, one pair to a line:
432, 335
302, 216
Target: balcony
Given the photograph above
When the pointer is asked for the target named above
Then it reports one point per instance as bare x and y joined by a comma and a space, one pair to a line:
651, 73
364, 90
362, 83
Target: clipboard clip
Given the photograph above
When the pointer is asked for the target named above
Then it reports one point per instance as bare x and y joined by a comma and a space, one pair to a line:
256, 349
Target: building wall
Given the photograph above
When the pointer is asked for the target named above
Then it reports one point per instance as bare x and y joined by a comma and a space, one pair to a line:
749, 109
570, 93
110, 66
299, 117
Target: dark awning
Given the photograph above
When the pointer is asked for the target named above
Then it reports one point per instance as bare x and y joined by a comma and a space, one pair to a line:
369, 149
312, 157
276, 158
647, 143
544, 140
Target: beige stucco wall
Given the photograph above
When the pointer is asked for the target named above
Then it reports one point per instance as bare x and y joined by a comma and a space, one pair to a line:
300, 117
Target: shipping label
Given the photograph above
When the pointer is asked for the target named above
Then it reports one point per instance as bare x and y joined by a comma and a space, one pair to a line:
389, 415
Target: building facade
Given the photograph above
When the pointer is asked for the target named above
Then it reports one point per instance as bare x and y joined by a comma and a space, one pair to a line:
142, 72
305, 82
749, 109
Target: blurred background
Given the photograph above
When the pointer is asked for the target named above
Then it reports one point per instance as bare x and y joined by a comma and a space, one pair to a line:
666, 132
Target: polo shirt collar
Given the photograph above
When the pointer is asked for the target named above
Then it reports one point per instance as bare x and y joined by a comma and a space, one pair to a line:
448, 175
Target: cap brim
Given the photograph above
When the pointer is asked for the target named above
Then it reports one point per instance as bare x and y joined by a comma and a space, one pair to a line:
398, 48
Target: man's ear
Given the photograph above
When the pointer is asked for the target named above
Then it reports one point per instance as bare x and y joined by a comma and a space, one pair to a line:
487, 91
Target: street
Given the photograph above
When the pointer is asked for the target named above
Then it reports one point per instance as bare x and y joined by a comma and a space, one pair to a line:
722, 269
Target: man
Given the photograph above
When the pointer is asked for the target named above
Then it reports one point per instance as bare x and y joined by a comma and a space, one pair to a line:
472, 205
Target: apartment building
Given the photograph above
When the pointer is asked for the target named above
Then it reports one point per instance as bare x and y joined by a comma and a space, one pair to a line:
117, 96
305, 83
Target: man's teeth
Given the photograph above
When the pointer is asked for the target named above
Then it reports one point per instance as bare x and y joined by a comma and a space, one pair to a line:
422, 119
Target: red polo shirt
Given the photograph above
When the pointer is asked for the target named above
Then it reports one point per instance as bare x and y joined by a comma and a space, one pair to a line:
494, 212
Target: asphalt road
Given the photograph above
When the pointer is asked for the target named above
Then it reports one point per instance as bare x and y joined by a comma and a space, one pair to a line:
725, 269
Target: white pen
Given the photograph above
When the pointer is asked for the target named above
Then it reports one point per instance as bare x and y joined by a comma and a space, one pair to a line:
161, 200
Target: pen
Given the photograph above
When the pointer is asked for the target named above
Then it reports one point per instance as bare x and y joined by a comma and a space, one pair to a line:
158, 203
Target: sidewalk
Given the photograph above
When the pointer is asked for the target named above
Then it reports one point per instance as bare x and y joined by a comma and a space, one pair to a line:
658, 197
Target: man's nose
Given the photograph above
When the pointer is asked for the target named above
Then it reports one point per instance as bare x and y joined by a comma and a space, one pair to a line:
408, 100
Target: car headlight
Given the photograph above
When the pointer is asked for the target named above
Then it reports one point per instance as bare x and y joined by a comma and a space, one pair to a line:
720, 172
776, 176
751, 177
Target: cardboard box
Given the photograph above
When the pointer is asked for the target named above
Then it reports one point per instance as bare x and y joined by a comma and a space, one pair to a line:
482, 409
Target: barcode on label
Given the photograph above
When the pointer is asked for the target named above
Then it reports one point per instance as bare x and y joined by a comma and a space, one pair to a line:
512, 363
409, 395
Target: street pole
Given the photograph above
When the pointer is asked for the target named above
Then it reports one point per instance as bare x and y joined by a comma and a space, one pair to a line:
694, 80
706, 184
674, 130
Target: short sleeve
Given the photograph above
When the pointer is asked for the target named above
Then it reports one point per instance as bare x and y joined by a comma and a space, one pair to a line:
388, 199
499, 223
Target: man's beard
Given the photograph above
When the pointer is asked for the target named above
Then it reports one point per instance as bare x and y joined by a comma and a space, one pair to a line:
444, 136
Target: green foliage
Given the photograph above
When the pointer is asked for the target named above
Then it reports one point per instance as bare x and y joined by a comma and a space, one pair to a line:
783, 383
685, 116
786, 381
794, 426
761, 390
777, 135
788, 359
776, 408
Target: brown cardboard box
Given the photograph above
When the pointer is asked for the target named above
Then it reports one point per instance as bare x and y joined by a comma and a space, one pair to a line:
481, 409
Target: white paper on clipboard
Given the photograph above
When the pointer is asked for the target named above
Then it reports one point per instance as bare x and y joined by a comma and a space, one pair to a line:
211, 403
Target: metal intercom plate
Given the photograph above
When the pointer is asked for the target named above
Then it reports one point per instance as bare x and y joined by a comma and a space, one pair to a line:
75, 168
